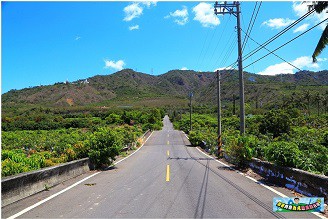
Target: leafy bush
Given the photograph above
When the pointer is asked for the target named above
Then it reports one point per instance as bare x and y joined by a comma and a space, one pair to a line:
239, 150
196, 138
105, 144
276, 122
283, 153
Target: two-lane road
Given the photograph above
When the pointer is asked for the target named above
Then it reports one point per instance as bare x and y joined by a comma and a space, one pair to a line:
165, 178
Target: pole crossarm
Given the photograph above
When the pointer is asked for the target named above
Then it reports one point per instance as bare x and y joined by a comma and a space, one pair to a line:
226, 8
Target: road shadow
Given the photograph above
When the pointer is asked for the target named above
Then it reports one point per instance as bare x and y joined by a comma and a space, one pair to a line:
188, 158
225, 168
108, 168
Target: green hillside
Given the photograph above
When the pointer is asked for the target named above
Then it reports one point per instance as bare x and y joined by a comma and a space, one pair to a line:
130, 88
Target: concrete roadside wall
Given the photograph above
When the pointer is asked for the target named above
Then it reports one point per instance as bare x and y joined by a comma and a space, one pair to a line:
303, 182
14, 188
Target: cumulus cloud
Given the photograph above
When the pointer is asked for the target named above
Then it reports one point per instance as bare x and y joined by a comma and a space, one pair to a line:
135, 27
149, 3
181, 16
301, 28
135, 10
184, 68
114, 65
132, 11
301, 8
277, 23
304, 62
204, 13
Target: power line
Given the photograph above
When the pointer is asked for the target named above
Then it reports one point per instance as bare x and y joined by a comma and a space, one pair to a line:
252, 25
230, 43
218, 42
286, 43
249, 24
270, 51
202, 49
208, 45
278, 34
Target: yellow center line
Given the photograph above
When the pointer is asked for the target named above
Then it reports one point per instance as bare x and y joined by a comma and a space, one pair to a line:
167, 173
168, 153
168, 142
168, 135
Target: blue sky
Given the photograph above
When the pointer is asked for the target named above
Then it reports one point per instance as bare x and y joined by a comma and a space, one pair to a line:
48, 42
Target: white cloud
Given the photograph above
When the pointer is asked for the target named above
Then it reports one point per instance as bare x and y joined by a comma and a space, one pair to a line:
184, 68
224, 68
114, 65
149, 3
135, 27
304, 62
301, 8
77, 37
301, 28
181, 16
135, 9
204, 13
277, 23
132, 11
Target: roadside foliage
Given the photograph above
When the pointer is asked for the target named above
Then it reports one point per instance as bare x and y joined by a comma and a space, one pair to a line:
282, 137
44, 139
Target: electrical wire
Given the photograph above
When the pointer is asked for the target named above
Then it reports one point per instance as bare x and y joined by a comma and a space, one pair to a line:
286, 43
278, 34
217, 44
270, 51
249, 24
252, 25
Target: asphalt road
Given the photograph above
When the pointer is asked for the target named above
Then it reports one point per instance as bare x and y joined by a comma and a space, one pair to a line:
165, 178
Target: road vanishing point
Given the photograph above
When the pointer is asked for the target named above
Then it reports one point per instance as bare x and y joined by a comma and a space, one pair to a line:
166, 178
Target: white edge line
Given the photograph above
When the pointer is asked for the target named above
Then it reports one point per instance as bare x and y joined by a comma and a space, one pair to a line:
50, 197
134, 151
260, 183
70, 187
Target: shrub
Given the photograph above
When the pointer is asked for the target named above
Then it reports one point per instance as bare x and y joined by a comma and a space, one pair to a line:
283, 153
239, 150
276, 122
105, 144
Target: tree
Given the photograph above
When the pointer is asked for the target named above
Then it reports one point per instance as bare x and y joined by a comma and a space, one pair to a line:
323, 41
325, 102
318, 99
307, 96
276, 122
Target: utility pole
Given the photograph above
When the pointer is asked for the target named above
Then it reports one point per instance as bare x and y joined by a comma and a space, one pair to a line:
190, 108
218, 77
234, 8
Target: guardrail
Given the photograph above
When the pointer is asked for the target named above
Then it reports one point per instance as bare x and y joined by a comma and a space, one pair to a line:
17, 187
14, 188
301, 181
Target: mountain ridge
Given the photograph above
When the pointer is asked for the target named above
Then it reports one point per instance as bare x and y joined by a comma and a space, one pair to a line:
128, 84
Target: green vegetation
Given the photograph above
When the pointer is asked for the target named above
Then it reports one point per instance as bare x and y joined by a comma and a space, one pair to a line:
283, 137
46, 125
55, 139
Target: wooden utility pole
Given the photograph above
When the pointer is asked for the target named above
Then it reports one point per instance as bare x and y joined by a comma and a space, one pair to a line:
218, 77
190, 108
234, 8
